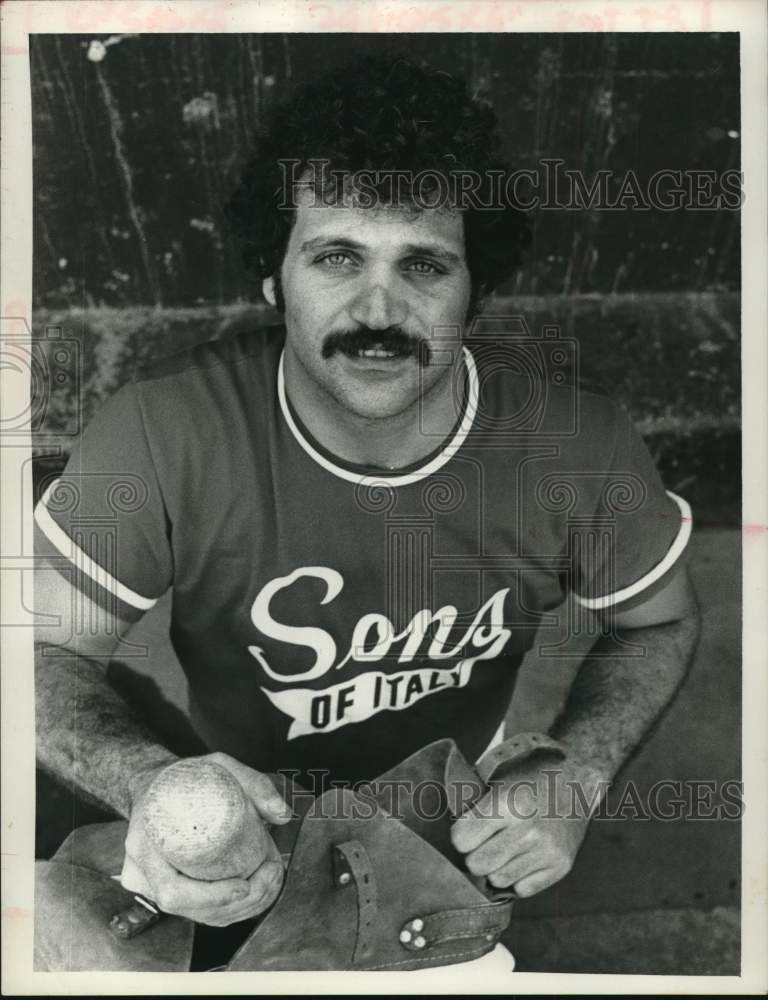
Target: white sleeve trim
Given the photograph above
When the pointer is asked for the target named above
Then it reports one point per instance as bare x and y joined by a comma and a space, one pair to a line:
83, 562
673, 554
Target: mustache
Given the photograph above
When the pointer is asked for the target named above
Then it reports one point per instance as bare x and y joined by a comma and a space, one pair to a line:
393, 339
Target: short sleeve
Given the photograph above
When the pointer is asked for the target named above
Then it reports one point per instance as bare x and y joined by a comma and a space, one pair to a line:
103, 523
628, 532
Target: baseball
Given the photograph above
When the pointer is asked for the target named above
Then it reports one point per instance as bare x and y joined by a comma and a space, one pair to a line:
198, 817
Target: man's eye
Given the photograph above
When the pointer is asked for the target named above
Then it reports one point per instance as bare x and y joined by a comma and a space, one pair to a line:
423, 267
335, 259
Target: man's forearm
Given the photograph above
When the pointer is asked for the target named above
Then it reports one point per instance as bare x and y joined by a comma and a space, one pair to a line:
87, 735
616, 697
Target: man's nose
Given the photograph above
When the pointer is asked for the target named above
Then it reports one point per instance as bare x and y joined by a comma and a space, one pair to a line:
379, 306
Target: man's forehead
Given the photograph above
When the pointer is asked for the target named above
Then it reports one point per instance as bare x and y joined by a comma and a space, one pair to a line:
343, 219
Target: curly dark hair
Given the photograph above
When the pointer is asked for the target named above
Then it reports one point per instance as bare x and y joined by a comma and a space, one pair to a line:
381, 114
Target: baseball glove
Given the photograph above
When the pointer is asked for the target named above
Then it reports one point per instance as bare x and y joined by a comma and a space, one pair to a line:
372, 881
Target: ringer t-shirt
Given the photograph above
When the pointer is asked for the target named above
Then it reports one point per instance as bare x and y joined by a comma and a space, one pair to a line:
333, 617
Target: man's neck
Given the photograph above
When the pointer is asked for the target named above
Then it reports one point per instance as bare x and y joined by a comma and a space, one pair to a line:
387, 443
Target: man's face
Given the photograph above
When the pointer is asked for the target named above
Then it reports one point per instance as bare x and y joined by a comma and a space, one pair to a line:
364, 291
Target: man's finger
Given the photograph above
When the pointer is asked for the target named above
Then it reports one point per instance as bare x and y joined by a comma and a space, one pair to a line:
259, 789
535, 882
497, 851
514, 871
265, 888
133, 879
265, 884
179, 894
144, 867
479, 823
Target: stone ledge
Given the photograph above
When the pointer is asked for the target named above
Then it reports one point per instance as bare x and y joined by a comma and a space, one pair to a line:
671, 359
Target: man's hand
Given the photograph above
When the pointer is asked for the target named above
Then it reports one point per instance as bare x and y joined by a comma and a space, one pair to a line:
525, 832
217, 903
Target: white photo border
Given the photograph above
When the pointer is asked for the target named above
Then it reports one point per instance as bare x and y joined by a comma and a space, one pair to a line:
20, 18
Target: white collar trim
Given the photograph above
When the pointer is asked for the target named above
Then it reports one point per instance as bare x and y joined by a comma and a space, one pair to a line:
432, 466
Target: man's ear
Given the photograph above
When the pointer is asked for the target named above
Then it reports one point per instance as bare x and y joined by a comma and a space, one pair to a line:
268, 290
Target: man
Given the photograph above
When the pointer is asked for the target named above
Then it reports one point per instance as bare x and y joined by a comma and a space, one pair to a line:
362, 518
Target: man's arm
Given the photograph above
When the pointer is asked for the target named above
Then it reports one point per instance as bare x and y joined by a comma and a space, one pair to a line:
86, 734
616, 697
89, 738
517, 836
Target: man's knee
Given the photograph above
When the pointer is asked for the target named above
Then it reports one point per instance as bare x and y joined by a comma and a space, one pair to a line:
54, 942
74, 906
98, 846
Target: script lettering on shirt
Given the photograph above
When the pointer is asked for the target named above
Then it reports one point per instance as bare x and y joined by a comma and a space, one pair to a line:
373, 638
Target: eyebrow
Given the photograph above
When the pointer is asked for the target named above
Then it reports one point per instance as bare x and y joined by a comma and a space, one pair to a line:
319, 242
409, 250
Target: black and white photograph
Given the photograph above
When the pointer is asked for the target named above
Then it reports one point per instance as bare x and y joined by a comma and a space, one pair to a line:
384, 496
